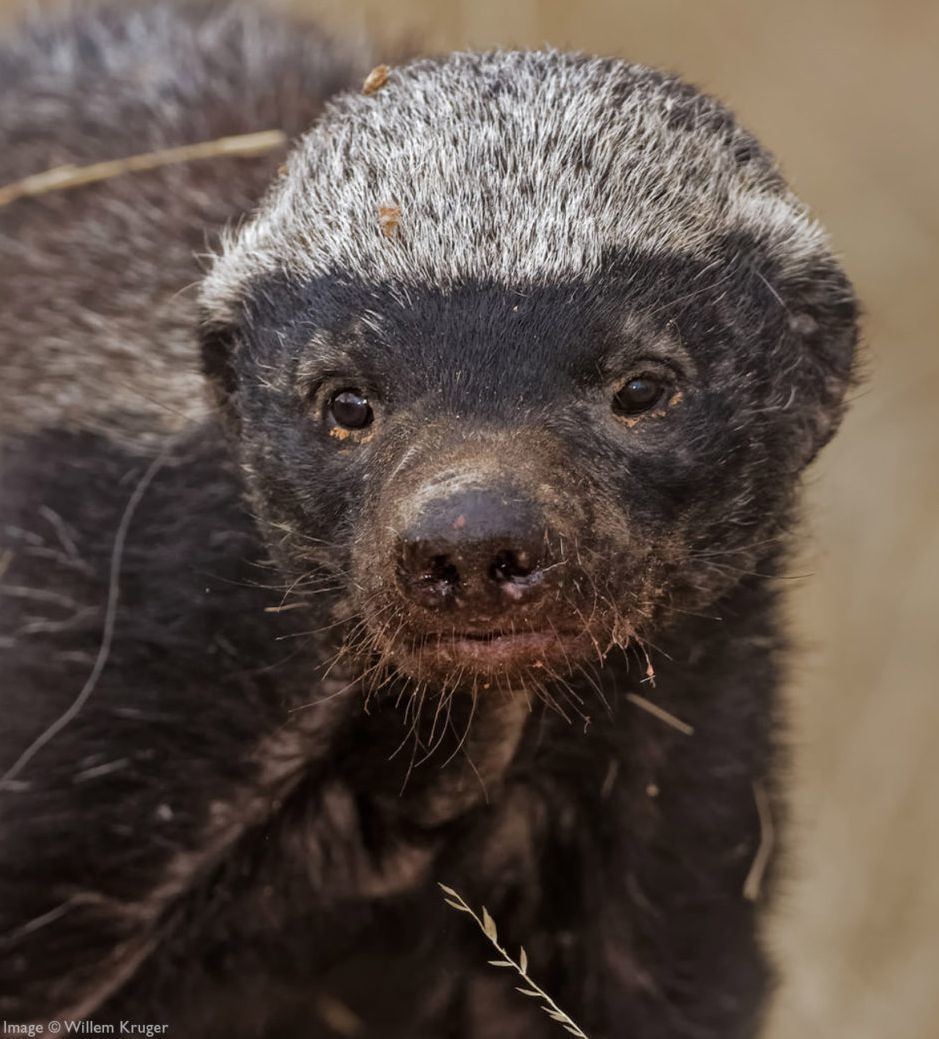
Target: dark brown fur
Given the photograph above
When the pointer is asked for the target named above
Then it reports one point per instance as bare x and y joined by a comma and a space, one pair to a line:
241, 831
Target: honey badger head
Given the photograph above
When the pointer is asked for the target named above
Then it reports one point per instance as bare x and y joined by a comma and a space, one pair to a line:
529, 350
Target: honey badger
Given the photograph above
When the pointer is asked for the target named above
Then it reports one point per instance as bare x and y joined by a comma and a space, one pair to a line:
512, 375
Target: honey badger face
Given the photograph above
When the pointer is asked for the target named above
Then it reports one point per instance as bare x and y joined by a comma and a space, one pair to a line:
563, 396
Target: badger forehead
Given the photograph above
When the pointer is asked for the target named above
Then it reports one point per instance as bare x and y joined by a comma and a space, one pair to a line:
519, 167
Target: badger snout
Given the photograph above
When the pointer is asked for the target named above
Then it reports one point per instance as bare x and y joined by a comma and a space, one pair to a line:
479, 567
478, 555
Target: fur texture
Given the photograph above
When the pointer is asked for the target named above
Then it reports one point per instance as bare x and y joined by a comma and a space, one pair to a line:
605, 155
110, 82
278, 749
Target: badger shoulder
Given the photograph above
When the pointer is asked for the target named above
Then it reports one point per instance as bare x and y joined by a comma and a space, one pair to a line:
99, 310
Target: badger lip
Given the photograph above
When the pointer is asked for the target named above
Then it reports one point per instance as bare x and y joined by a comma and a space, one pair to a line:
505, 650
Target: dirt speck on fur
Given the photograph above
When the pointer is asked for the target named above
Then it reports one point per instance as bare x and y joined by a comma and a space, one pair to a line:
389, 217
375, 80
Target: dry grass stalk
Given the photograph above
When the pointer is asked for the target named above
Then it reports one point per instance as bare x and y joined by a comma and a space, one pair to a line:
338, 1017
62, 178
661, 713
107, 633
487, 925
754, 882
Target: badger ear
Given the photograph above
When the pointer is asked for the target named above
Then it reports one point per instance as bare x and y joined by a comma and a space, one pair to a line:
218, 345
823, 322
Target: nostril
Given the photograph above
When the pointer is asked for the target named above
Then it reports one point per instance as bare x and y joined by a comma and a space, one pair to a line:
440, 576
512, 565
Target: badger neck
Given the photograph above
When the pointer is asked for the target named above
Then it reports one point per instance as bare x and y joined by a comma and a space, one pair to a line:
456, 751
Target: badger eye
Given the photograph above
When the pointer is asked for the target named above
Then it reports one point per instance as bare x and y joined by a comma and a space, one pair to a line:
638, 395
350, 409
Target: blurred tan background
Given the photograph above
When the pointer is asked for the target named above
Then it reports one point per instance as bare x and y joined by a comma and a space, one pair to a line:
847, 94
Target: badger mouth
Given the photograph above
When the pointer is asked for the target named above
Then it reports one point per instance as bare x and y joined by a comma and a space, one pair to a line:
496, 650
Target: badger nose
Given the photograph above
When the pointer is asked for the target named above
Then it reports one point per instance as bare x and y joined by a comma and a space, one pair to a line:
481, 552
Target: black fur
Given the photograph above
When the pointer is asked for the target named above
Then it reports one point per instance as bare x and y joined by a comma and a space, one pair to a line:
227, 837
